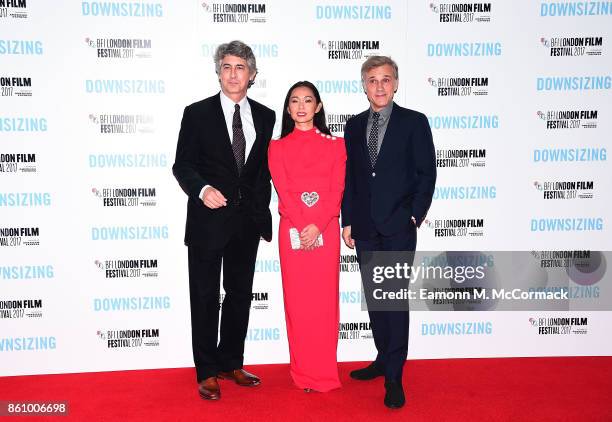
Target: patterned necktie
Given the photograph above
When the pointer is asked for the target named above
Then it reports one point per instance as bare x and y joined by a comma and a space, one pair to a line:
373, 139
238, 141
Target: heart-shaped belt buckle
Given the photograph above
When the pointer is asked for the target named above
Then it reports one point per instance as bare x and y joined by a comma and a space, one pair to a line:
310, 198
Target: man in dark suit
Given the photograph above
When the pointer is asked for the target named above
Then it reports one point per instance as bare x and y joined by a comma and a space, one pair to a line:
221, 164
390, 179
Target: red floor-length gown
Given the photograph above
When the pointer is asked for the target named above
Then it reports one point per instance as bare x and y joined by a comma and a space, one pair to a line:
313, 164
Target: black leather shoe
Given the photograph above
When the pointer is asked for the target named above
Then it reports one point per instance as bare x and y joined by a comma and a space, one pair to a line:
368, 373
394, 397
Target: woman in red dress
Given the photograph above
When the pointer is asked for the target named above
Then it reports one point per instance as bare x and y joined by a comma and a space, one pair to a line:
308, 168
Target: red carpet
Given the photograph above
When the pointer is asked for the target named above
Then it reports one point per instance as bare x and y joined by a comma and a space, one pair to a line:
517, 389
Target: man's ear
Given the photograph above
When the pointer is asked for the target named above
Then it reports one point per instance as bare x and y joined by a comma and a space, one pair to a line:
252, 80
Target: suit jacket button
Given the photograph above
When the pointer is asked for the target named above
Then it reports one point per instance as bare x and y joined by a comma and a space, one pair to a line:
373, 174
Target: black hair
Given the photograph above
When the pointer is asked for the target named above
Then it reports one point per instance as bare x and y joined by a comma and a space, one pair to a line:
319, 120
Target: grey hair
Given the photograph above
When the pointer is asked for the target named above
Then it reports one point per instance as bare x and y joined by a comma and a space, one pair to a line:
238, 49
377, 61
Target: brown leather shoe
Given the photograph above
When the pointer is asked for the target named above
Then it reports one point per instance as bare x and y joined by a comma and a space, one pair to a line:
209, 389
241, 377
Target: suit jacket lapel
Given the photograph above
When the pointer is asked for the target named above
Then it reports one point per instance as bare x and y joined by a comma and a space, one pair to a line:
258, 122
363, 127
224, 141
388, 135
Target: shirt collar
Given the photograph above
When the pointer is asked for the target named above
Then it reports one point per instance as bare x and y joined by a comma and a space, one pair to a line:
228, 104
384, 113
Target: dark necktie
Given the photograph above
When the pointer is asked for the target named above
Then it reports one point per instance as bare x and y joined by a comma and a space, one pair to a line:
238, 140
373, 139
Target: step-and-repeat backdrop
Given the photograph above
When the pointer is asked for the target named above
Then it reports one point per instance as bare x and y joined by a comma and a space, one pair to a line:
93, 270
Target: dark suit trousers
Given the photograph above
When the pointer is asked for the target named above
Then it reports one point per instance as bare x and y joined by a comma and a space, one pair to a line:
390, 328
238, 258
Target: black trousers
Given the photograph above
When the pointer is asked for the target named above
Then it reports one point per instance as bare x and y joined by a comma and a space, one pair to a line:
212, 353
390, 328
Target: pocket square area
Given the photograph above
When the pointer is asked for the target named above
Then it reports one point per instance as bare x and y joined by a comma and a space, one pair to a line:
310, 198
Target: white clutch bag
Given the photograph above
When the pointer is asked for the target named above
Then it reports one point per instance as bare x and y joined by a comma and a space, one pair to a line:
294, 235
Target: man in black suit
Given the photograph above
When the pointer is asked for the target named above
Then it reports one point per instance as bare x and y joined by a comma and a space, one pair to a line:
390, 179
221, 164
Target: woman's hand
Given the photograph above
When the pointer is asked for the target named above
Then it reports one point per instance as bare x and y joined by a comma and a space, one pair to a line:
308, 237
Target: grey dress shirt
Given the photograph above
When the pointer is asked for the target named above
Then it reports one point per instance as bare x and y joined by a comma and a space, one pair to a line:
383, 122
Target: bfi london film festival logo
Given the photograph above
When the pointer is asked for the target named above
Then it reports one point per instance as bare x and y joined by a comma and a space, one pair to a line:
128, 268
462, 12
239, 13
126, 196
123, 124
456, 227
573, 46
260, 301
17, 163
584, 269
562, 258
349, 50
460, 86
349, 263
121, 48
130, 338
336, 122
569, 119
15, 237
354, 330
21, 309
461, 158
565, 189
560, 326
17, 86
13, 9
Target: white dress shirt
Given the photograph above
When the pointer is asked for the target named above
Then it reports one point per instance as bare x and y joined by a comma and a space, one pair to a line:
248, 127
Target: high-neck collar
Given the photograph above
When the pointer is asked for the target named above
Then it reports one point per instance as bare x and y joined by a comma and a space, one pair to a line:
301, 133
